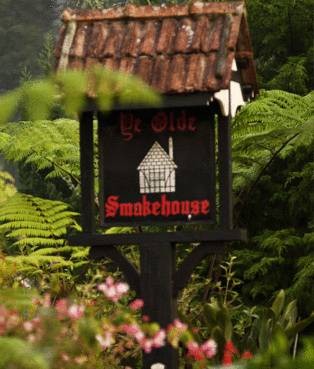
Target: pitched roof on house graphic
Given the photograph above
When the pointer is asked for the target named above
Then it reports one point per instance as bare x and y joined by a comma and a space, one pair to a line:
157, 157
157, 170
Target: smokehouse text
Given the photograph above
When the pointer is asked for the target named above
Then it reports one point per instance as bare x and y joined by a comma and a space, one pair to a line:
162, 207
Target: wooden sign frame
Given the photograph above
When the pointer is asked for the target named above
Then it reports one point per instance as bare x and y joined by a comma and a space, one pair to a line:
133, 147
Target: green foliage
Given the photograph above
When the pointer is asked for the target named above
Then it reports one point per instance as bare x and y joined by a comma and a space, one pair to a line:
7, 186
46, 55
281, 318
291, 77
71, 89
273, 182
35, 221
260, 324
278, 356
49, 146
86, 4
281, 31
22, 32
273, 126
16, 353
38, 98
8, 104
218, 321
36, 228
90, 331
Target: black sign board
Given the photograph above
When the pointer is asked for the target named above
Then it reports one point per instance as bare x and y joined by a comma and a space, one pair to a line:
157, 166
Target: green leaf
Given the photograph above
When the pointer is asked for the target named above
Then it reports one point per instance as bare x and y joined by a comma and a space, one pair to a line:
73, 87
299, 326
8, 105
278, 304
38, 98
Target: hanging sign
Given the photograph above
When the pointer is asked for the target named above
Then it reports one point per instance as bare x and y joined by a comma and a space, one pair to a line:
156, 166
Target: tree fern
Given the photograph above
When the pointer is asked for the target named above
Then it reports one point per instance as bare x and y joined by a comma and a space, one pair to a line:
7, 186
274, 125
52, 146
36, 229
273, 181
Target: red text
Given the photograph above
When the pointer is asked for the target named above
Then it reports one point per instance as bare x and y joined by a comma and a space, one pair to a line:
163, 207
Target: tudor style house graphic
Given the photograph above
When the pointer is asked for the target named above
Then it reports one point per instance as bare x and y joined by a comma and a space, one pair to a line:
157, 171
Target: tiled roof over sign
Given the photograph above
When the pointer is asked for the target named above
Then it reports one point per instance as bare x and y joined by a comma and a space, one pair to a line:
175, 49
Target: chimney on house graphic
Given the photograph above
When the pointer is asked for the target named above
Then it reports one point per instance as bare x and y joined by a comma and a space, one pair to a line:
157, 171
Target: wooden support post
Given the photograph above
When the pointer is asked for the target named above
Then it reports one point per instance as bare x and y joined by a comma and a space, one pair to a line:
212, 163
225, 172
157, 271
87, 172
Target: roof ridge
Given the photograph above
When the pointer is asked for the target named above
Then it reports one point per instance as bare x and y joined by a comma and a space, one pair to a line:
150, 155
130, 11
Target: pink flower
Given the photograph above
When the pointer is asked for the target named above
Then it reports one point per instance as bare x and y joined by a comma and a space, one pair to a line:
122, 288
136, 304
75, 311
146, 345
28, 326
62, 308
113, 291
209, 348
106, 340
159, 338
178, 324
134, 331
109, 281
195, 351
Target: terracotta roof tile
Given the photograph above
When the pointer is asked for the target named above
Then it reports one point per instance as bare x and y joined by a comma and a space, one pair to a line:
166, 37
175, 49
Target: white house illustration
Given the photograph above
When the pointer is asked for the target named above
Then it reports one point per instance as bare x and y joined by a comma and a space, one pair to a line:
157, 171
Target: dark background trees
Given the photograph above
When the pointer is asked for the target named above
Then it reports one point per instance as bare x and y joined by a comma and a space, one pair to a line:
23, 26
282, 36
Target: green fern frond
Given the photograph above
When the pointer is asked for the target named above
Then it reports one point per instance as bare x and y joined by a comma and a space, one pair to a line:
48, 145
274, 125
53, 251
34, 221
7, 186
38, 228
37, 242
38, 260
